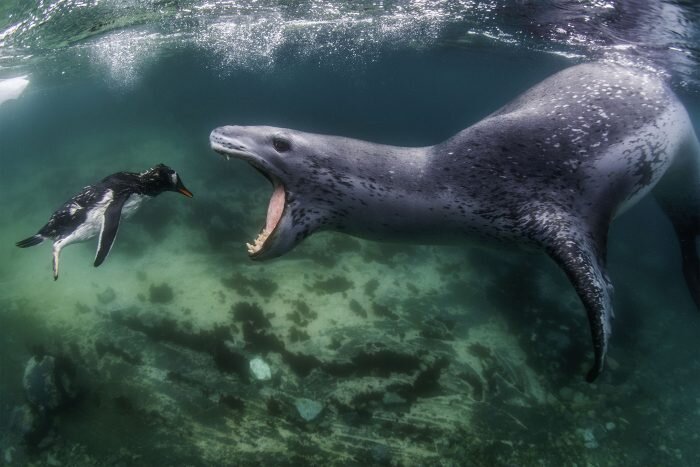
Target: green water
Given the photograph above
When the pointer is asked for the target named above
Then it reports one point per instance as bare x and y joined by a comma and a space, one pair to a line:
418, 355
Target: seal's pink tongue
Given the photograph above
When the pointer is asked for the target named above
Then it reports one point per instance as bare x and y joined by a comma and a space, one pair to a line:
274, 213
275, 209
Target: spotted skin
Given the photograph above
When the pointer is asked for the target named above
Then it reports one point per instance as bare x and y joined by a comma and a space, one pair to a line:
551, 169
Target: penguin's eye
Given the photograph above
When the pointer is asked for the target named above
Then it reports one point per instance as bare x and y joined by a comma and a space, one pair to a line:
280, 144
173, 178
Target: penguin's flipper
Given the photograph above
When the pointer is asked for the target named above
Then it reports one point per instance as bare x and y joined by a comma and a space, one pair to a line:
110, 225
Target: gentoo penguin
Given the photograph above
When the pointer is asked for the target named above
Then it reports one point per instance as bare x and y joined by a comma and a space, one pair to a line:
98, 208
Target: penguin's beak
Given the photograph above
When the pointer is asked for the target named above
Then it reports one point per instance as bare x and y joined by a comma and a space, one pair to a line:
181, 188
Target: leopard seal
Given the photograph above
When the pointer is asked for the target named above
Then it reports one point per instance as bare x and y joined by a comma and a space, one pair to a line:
551, 169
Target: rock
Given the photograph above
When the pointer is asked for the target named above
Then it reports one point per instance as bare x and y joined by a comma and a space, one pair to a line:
162, 293
391, 398
308, 409
558, 340
52, 461
48, 384
589, 438
566, 393
7, 455
381, 454
610, 426
22, 419
261, 370
612, 364
15, 455
30, 424
106, 296
40, 384
579, 398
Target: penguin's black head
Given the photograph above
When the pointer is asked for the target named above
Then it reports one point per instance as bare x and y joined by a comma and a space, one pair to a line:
162, 178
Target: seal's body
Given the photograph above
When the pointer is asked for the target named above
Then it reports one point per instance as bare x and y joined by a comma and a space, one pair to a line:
551, 169
98, 209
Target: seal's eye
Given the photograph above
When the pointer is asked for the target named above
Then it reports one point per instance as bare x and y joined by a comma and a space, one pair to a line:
281, 145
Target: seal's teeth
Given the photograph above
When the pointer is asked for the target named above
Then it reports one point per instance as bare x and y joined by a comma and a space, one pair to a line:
259, 241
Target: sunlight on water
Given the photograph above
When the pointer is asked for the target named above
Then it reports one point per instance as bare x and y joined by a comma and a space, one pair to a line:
250, 33
241, 34
12, 88
124, 52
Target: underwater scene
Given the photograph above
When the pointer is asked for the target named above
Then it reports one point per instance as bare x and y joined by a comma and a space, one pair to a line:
242, 324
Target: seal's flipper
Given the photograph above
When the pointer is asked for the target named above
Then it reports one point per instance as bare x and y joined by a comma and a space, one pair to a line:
583, 261
110, 226
678, 193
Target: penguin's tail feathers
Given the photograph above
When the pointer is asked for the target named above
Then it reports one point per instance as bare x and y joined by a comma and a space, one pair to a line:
31, 241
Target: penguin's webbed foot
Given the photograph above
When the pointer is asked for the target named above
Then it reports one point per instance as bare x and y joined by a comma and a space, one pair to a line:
54, 263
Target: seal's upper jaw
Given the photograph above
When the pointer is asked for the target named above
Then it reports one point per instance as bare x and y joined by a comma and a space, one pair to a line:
222, 142
243, 143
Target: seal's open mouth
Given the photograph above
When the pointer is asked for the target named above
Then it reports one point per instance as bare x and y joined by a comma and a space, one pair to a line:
275, 208
274, 213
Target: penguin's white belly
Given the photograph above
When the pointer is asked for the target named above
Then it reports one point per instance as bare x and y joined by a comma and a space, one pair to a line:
95, 217
132, 204
92, 224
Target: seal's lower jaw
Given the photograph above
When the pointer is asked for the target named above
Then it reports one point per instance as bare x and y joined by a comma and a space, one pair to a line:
275, 211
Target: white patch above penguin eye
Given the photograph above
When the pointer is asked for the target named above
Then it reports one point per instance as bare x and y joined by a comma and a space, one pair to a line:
173, 178
74, 207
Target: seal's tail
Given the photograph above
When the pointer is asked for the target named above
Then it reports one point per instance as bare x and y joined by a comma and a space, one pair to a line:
679, 195
691, 258
688, 232
31, 241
